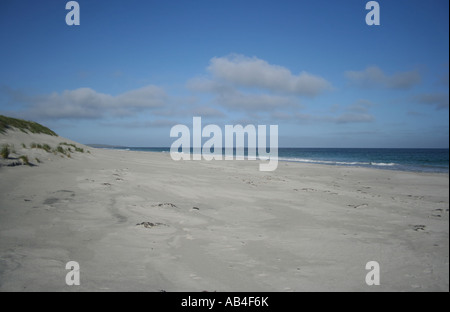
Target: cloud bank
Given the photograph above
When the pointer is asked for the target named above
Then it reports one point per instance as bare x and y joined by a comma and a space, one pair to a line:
250, 84
374, 77
242, 71
86, 103
438, 100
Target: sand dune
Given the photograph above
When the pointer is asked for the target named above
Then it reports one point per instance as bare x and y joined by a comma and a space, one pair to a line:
139, 221
20, 143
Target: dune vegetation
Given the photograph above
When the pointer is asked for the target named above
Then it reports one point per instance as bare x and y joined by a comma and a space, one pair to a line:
23, 125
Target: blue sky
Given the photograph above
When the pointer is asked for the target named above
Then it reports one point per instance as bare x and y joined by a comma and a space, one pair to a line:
133, 69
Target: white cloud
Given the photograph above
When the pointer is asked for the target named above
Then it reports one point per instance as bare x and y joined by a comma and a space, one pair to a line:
196, 110
205, 111
438, 100
146, 97
253, 85
254, 102
158, 123
208, 86
361, 106
373, 77
348, 117
232, 98
86, 103
358, 112
277, 115
242, 71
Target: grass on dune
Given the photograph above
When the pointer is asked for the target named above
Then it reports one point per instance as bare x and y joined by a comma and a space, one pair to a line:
5, 151
23, 125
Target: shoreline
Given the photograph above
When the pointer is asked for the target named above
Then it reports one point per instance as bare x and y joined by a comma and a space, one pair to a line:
284, 159
142, 222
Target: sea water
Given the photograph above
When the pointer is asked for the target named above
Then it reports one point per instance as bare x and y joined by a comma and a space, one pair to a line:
405, 159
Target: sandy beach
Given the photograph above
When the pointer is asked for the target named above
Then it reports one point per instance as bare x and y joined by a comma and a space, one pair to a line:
139, 221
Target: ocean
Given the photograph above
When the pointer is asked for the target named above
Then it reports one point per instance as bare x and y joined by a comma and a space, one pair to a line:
417, 160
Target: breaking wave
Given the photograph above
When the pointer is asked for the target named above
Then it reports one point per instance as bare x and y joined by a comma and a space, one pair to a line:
341, 163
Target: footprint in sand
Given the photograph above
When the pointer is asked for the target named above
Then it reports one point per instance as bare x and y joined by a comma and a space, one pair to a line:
309, 189
60, 196
165, 205
149, 225
419, 227
358, 206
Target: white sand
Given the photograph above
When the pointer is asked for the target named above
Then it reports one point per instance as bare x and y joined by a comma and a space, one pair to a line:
300, 228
